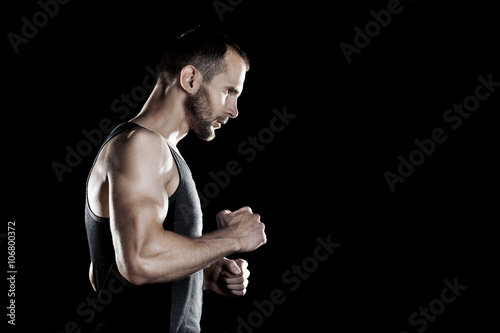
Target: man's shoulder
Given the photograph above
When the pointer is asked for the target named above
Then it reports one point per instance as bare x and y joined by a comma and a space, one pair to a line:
138, 145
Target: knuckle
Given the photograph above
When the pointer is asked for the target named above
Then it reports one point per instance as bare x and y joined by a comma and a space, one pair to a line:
242, 262
222, 213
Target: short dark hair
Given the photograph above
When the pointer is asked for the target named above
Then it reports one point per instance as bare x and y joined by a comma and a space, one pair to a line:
204, 48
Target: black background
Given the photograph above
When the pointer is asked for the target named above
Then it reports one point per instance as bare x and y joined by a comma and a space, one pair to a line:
322, 175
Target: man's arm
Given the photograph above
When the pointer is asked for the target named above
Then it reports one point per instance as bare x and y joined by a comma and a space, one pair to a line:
140, 166
91, 276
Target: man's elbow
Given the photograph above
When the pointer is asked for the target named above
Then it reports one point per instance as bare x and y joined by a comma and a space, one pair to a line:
136, 279
140, 271
134, 271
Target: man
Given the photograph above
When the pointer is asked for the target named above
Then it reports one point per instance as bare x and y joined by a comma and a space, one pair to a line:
150, 261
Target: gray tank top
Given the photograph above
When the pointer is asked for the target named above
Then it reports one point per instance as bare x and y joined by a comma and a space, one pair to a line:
164, 307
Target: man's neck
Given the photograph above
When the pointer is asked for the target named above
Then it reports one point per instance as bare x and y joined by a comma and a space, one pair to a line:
164, 114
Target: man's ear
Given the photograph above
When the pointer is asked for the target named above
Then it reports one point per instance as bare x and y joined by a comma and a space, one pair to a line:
190, 79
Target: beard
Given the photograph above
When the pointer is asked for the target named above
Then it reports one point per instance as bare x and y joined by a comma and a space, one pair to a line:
200, 114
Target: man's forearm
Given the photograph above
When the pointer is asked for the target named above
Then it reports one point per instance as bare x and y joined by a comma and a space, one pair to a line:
170, 256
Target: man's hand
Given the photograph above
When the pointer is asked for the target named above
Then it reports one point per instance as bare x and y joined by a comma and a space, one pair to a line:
244, 226
227, 277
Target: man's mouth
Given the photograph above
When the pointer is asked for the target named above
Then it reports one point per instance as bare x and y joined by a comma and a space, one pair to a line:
220, 122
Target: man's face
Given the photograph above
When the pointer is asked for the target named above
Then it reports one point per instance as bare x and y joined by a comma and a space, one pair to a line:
214, 103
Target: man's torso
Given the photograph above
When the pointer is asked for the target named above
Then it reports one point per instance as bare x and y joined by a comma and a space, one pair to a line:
176, 304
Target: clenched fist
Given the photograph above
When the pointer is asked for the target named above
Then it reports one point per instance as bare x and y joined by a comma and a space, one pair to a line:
227, 277
244, 226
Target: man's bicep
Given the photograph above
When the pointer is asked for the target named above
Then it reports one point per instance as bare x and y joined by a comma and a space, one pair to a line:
137, 200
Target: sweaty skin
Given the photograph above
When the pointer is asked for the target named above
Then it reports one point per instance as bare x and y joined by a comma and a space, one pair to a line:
135, 174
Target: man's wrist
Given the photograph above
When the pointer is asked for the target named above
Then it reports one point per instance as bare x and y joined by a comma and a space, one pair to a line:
226, 241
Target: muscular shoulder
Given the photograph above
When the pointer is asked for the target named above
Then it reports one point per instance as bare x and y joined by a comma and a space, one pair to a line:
138, 150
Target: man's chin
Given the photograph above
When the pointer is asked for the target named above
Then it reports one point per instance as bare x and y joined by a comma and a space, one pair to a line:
206, 135
210, 138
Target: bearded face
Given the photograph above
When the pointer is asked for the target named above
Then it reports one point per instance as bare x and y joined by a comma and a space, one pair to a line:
200, 114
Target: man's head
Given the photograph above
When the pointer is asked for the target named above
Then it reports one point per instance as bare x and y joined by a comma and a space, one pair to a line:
211, 69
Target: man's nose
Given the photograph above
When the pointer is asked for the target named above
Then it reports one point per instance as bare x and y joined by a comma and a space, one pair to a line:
232, 110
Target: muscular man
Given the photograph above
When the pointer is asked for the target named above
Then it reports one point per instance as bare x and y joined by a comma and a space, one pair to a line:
150, 261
